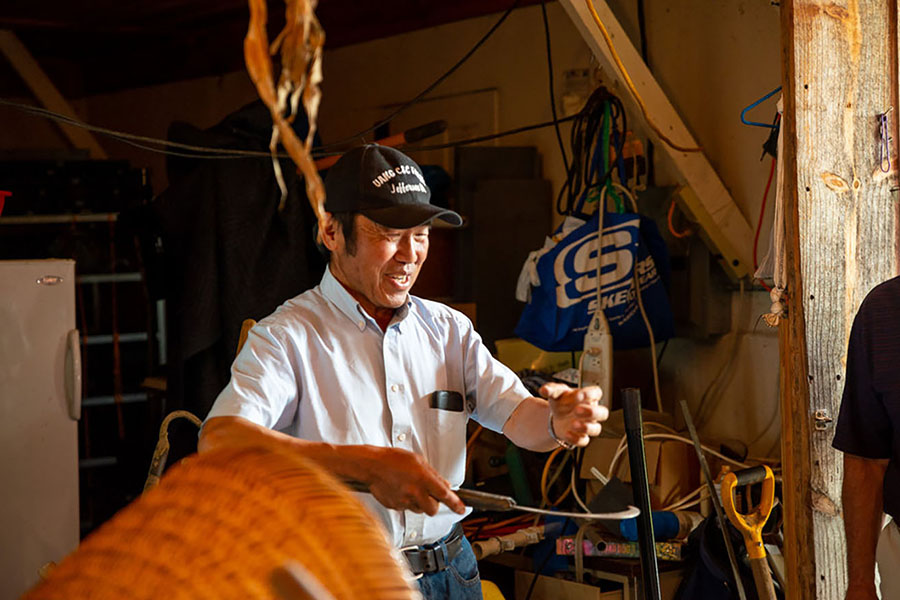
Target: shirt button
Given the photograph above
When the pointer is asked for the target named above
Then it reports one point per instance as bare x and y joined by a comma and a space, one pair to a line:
394, 388
361, 324
401, 437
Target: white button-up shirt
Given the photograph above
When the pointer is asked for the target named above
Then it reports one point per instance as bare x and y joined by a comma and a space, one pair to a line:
321, 369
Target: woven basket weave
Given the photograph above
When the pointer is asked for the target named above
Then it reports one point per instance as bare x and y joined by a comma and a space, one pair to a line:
219, 524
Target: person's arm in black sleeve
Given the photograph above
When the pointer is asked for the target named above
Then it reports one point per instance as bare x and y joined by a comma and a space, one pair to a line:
863, 433
861, 495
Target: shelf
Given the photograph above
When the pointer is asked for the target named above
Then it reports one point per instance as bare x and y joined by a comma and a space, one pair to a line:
109, 278
100, 461
111, 400
124, 338
58, 219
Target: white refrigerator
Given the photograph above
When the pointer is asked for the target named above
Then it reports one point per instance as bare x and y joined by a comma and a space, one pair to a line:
40, 403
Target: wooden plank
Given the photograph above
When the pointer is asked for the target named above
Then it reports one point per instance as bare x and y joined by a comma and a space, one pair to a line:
44, 90
798, 549
723, 222
841, 230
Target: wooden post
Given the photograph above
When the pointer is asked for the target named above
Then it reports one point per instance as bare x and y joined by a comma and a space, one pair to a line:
839, 62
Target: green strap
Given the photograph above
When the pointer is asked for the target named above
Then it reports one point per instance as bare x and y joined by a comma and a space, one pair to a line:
604, 139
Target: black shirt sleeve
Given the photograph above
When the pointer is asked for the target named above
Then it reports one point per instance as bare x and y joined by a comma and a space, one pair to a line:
864, 425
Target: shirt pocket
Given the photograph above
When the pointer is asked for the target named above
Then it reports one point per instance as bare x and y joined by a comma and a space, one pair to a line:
447, 443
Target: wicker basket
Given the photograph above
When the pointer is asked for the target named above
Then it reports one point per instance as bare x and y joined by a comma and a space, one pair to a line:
217, 527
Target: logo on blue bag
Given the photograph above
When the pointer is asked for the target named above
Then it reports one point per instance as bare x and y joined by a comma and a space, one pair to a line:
564, 302
575, 268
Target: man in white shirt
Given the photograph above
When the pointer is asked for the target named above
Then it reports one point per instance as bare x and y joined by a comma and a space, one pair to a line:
377, 385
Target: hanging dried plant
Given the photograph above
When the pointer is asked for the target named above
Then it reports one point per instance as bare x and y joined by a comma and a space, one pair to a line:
300, 43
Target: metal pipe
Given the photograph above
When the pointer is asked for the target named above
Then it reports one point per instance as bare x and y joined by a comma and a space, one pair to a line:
505, 543
631, 404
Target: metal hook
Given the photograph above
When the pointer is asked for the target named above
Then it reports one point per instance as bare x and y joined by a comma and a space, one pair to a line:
884, 146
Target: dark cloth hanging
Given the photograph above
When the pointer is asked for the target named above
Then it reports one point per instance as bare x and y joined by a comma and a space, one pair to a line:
227, 253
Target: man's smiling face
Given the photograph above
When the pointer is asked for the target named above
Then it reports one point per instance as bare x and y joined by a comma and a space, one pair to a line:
384, 265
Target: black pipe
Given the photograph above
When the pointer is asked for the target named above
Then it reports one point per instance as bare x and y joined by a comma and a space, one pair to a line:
631, 404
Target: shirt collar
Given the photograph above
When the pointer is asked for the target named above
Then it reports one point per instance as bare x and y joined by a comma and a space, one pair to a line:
338, 295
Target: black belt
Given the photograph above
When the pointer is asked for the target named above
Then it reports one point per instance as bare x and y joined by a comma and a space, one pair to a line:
432, 558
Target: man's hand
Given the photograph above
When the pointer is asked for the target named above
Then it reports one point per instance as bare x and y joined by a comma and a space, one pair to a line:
402, 480
397, 478
577, 413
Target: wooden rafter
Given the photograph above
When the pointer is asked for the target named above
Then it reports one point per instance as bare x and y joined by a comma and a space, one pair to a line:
707, 200
46, 93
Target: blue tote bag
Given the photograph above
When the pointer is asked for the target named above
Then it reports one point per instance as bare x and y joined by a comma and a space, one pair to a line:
563, 284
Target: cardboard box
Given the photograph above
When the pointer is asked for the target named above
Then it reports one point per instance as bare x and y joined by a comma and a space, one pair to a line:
518, 355
672, 467
554, 588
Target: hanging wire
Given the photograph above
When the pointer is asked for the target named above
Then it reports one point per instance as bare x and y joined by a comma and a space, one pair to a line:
585, 171
631, 86
562, 147
138, 140
205, 152
360, 134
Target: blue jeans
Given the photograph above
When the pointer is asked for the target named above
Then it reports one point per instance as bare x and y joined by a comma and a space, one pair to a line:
459, 581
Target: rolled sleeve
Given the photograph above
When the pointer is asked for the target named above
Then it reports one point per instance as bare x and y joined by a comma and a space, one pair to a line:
497, 390
263, 385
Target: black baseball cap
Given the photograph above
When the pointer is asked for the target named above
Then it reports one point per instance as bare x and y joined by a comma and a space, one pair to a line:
385, 185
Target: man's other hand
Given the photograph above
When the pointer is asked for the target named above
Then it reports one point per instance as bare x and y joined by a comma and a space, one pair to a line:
402, 480
577, 413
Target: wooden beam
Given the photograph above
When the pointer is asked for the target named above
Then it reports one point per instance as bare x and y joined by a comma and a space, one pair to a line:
800, 570
46, 93
841, 232
725, 226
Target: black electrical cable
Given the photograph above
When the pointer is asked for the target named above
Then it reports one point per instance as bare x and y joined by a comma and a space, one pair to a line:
586, 134
537, 572
130, 138
645, 54
231, 153
490, 136
478, 529
560, 209
562, 147
356, 136
661, 352
642, 29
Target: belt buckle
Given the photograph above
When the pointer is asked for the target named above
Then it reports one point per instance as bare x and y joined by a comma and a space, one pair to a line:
416, 576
